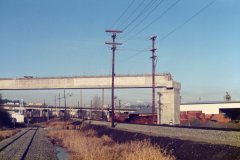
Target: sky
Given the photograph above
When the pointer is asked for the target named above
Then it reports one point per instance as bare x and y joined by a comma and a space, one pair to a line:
67, 38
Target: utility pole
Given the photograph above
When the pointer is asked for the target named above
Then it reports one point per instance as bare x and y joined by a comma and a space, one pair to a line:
153, 38
78, 111
91, 111
59, 103
55, 103
119, 103
70, 105
65, 106
81, 98
102, 102
113, 44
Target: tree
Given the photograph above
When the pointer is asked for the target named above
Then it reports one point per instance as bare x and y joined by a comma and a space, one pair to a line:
1, 99
5, 119
227, 97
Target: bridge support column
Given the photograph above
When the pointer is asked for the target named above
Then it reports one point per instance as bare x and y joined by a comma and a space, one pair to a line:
41, 113
170, 106
30, 113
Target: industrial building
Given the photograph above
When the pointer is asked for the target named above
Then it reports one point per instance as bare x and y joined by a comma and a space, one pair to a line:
221, 111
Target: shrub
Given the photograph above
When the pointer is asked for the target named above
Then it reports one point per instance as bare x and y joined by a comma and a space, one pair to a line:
5, 119
86, 145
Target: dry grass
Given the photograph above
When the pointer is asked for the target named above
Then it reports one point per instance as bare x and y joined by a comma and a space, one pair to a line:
8, 133
85, 145
56, 124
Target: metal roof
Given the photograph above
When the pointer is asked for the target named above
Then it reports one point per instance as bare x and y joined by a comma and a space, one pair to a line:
145, 110
210, 102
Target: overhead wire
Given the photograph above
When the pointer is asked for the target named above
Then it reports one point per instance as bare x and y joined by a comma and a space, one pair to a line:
146, 8
155, 20
132, 13
182, 24
130, 49
146, 16
130, 57
124, 12
188, 20
161, 15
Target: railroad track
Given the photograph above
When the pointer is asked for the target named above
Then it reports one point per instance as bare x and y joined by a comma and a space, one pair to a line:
171, 126
19, 146
12, 141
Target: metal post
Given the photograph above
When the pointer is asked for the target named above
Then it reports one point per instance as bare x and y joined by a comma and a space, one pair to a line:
55, 103
47, 114
81, 97
102, 102
59, 103
65, 106
153, 75
91, 111
159, 108
114, 44
78, 111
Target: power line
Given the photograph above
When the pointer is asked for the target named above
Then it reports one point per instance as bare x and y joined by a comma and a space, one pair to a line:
131, 49
149, 13
124, 12
188, 20
146, 8
155, 20
140, 4
132, 56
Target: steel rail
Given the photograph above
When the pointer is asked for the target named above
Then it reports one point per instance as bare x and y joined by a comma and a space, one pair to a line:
14, 140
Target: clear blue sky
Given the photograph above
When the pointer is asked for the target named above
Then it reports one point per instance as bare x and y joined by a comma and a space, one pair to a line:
66, 38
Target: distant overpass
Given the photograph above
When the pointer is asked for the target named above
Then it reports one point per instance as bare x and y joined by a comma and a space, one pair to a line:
13, 107
169, 89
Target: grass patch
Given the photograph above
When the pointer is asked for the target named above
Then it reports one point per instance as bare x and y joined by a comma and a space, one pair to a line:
8, 133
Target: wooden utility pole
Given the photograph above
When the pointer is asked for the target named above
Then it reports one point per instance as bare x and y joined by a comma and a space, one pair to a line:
153, 38
113, 44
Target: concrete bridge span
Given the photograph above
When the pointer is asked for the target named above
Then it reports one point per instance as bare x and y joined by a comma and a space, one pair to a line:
87, 82
169, 89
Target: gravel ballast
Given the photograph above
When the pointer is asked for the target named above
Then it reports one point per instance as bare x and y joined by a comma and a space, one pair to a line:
40, 149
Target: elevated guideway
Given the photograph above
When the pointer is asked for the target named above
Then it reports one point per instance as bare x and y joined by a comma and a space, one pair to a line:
87, 82
169, 89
